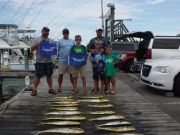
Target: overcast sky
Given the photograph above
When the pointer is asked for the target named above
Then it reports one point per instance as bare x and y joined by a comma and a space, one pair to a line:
162, 17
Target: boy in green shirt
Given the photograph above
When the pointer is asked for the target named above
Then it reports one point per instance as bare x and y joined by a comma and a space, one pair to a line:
78, 59
110, 71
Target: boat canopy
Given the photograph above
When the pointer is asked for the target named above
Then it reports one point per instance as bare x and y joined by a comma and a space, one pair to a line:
4, 45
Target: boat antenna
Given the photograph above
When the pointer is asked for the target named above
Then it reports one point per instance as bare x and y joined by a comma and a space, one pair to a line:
27, 12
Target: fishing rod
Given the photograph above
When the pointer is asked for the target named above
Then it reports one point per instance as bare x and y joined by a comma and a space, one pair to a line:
27, 12
3, 7
17, 11
35, 17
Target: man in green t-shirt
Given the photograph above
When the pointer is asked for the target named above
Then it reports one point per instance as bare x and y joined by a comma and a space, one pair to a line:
78, 58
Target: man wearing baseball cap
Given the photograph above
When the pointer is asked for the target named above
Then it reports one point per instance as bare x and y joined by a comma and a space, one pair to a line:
64, 46
43, 66
104, 42
99, 37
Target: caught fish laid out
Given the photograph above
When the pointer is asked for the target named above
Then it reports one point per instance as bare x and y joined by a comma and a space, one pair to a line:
118, 129
60, 100
65, 118
111, 117
62, 131
115, 123
68, 97
94, 100
64, 108
64, 102
92, 97
60, 123
101, 106
64, 113
102, 112
63, 105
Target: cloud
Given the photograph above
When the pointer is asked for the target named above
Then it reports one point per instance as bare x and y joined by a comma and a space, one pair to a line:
154, 2
80, 16
125, 11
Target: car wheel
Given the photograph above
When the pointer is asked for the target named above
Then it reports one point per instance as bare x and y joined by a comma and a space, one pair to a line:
130, 67
176, 87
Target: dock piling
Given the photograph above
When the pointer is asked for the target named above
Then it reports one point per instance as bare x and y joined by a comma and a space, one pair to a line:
26, 63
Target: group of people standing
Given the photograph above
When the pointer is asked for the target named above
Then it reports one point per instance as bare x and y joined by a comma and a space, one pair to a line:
72, 57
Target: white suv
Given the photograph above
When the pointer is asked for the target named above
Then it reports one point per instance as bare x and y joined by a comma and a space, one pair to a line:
163, 47
162, 74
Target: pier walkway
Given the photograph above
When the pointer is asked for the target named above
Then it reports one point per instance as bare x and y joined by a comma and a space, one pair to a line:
20, 115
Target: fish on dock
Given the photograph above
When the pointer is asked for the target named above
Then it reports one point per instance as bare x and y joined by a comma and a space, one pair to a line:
63, 105
101, 112
60, 100
64, 102
115, 123
93, 97
111, 117
60, 123
101, 105
62, 131
64, 108
72, 118
94, 100
118, 129
63, 113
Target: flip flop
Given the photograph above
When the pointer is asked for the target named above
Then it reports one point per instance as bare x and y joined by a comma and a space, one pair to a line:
59, 90
52, 91
34, 93
112, 92
107, 92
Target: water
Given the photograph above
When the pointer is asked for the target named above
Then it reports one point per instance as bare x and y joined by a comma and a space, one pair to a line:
11, 86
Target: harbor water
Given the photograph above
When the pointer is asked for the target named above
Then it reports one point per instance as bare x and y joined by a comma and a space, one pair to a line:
11, 86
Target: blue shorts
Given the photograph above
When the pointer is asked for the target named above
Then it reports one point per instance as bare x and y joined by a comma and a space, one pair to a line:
99, 76
43, 69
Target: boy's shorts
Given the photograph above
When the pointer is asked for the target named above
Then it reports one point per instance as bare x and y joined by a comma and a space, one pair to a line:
43, 69
99, 75
76, 70
64, 68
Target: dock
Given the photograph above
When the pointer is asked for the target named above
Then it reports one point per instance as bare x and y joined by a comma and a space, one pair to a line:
21, 114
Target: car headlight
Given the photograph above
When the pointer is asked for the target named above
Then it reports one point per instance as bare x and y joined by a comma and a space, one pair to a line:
162, 69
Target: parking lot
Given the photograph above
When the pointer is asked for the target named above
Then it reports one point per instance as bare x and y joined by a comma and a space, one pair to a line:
164, 100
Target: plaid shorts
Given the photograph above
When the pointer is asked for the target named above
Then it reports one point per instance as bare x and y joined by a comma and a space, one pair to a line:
43, 69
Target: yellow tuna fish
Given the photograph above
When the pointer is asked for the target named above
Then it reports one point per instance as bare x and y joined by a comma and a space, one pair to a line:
64, 113
101, 106
60, 123
118, 129
63, 105
62, 131
111, 117
64, 108
102, 112
65, 118
115, 123
94, 100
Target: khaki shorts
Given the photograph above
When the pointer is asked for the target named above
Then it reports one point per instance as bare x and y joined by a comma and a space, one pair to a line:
76, 70
64, 68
